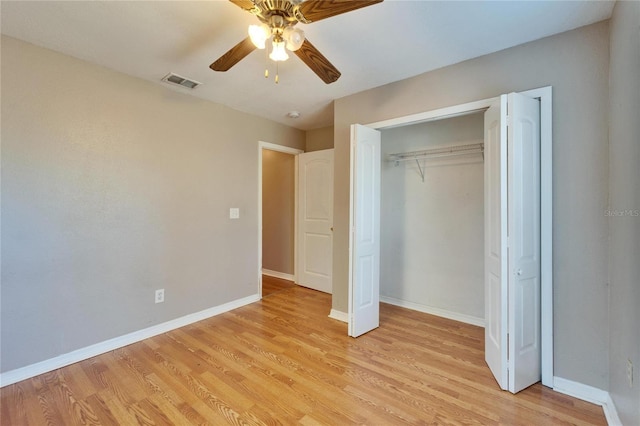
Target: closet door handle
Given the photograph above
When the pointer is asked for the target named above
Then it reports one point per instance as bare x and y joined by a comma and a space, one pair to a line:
518, 271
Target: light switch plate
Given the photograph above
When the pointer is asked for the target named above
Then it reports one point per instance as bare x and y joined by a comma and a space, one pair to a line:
234, 213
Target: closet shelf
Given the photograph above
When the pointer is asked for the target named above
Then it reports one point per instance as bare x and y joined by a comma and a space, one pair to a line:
442, 152
425, 154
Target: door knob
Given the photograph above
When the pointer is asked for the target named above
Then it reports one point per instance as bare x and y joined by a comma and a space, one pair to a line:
519, 271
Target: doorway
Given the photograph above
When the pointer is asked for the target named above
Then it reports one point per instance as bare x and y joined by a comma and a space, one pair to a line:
432, 218
277, 203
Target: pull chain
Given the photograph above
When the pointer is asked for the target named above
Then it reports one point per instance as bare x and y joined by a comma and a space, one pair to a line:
266, 67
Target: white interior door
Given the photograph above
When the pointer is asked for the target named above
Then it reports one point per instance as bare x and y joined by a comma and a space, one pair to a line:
364, 261
524, 241
512, 241
315, 220
495, 240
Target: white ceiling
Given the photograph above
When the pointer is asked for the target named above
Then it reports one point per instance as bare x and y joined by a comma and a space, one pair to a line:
372, 46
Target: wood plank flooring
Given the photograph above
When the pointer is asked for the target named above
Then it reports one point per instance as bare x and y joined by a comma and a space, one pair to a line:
283, 361
271, 285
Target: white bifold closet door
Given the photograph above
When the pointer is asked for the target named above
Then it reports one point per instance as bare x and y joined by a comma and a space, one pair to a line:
512, 241
364, 280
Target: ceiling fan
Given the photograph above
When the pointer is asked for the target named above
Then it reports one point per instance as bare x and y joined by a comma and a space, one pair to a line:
278, 20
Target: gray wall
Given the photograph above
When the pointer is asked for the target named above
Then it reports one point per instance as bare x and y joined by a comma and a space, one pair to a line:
278, 210
113, 187
576, 64
432, 232
319, 139
624, 207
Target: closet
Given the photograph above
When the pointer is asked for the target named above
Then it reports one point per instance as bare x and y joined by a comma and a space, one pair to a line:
432, 217
396, 229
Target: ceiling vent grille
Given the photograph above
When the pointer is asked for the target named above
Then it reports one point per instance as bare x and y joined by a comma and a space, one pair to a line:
181, 81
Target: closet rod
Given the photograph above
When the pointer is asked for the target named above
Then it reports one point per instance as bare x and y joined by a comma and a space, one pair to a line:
427, 156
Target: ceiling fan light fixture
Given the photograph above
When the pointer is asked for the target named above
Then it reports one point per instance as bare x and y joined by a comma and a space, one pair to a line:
278, 53
278, 19
294, 38
259, 35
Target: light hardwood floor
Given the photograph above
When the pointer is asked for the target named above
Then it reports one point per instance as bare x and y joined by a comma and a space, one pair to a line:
271, 285
283, 361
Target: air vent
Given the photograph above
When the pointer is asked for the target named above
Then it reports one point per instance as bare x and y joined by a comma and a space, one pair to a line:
179, 80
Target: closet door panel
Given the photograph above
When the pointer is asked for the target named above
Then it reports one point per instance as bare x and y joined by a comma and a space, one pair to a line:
495, 204
364, 283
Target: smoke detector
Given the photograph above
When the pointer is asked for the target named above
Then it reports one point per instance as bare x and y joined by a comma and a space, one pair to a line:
293, 114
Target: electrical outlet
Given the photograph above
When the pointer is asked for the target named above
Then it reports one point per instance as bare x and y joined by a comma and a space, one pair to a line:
630, 373
160, 295
234, 213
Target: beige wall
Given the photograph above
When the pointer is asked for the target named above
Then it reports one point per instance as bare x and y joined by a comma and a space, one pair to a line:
432, 232
624, 207
576, 65
319, 139
278, 209
113, 187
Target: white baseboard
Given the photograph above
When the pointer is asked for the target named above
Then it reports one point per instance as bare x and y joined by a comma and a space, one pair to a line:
23, 373
589, 394
610, 412
468, 319
339, 315
276, 274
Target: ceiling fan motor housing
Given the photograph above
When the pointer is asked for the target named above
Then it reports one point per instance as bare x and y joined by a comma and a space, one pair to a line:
276, 12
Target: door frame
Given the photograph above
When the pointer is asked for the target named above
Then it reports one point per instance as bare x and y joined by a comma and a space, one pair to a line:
287, 150
544, 94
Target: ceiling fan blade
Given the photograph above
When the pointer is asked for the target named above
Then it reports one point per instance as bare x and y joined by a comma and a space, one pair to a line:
234, 55
315, 10
243, 4
317, 62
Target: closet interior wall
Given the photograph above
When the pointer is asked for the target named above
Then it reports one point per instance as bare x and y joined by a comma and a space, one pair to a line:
432, 232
